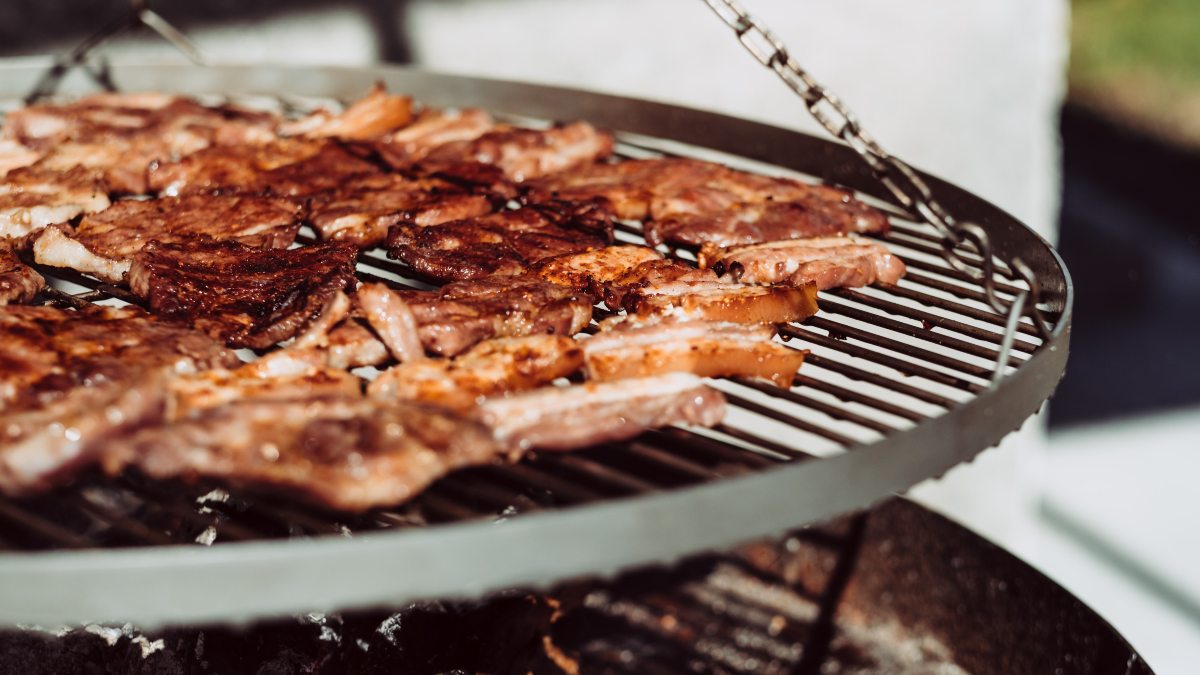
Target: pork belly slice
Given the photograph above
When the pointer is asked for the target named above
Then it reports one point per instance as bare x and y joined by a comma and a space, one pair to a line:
705, 348
33, 198
14, 155
393, 321
523, 154
651, 273
827, 262
500, 243
725, 301
567, 418
19, 283
489, 368
104, 244
372, 116
344, 453
361, 209
245, 296
432, 129
459, 315
72, 380
593, 270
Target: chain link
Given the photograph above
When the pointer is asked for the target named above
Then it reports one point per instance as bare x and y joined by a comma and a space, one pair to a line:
908, 189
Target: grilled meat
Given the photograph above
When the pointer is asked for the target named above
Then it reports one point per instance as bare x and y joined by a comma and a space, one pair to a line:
19, 283
523, 154
32, 198
706, 348
72, 380
372, 116
489, 368
650, 274
347, 453
246, 296
105, 243
350, 345
500, 243
565, 418
431, 130
14, 155
361, 209
596, 269
628, 187
828, 262
724, 301
392, 320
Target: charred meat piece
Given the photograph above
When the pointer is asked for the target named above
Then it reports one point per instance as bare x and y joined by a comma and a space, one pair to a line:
566, 418
523, 154
246, 296
361, 209
705, 348
105, 243
286, 374
72, 380
489, 368
725, 301
32, 198
593, 270
19, 283
464, 313
431, 130
372, 116
828, 262
346, 453
500, 243
289, 168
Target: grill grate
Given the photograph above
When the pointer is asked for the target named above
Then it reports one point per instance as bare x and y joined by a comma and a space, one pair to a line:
881, 360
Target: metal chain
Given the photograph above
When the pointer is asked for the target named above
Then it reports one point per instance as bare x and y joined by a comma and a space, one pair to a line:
908, 189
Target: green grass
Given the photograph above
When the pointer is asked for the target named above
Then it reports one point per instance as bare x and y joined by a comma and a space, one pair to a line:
1114, 40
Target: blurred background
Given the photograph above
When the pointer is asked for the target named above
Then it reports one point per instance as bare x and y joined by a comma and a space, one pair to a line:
1081, 118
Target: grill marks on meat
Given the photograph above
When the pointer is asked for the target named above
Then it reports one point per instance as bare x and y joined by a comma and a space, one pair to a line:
690, 202
347, 453
246, 296
362, 208
19, 283
492, 367
566, 418
827, 262
33, 198
105, 243
705, 348
500, 243
72, 380
523, 154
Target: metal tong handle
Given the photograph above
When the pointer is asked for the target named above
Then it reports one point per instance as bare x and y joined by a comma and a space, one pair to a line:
908, 188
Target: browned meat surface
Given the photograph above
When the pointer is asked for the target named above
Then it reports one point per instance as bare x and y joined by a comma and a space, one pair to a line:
32, 198
828, 262
489, 368
291, 168
19, 283
500, 243
650, 274
372, 116
361, 209
121, 135
72, 380
594, 270
691, 202
432, 129
347, 453
246, 296
105, 243
566, 418
14, 155
523, 154
706, 348
393, 321
461, 314
725, 301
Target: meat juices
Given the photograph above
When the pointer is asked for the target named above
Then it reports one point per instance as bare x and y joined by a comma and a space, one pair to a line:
104, 244
73, 380
245, 296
